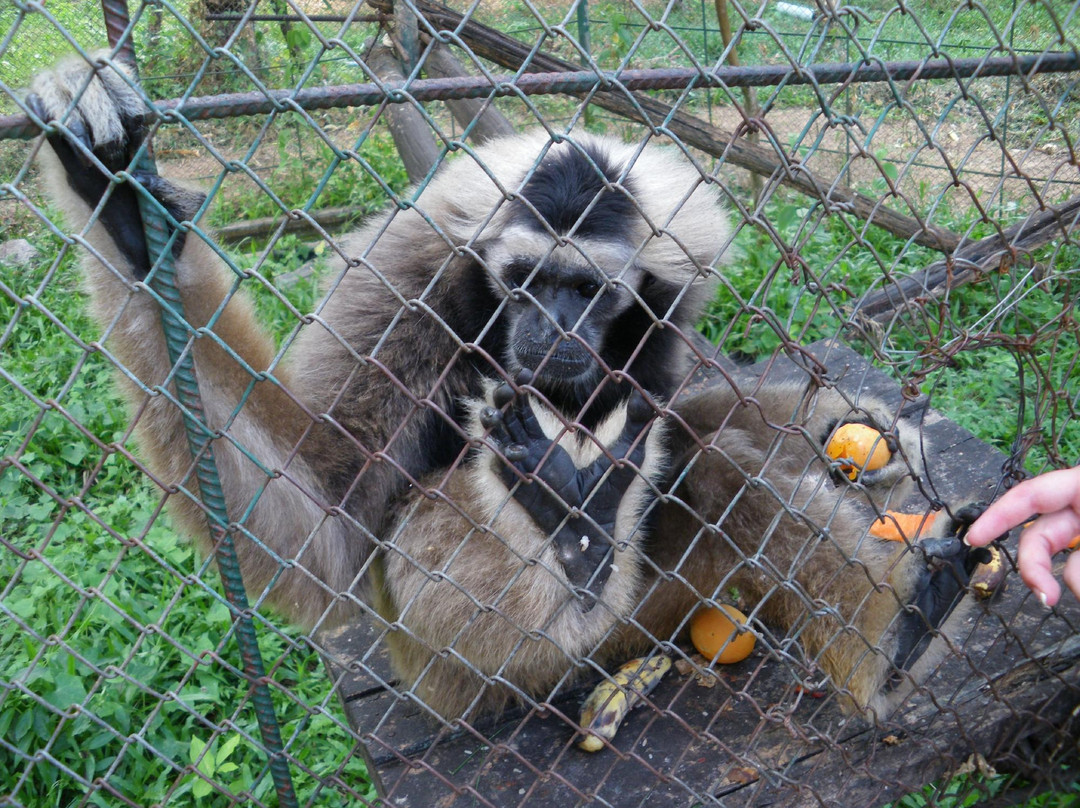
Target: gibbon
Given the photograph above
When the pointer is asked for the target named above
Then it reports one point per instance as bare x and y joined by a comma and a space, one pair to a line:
482, 431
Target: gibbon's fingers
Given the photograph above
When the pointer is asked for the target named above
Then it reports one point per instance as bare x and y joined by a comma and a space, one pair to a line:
629, 455
514, 450
113, 136
76, 131
942, 583
1039, 541
503, 395
1047, 493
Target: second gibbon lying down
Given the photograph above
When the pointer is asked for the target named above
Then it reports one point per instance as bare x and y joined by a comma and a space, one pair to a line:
481, 431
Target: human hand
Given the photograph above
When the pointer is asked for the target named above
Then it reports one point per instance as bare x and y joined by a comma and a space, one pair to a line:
1055, 497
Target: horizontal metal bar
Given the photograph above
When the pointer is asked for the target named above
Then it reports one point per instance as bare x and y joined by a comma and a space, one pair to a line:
582, 81
296, 18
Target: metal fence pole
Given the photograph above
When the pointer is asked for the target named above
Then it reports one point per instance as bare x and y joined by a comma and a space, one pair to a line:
162, 279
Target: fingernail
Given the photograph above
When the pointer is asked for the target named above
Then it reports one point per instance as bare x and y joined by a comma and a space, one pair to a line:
1042, 600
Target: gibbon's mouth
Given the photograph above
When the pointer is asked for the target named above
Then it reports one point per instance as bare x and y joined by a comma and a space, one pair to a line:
565, 362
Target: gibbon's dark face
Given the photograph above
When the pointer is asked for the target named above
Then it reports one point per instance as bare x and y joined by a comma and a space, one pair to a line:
559, 314
578, 305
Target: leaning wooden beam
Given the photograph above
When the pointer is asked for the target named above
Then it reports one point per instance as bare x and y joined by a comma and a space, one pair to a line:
479, 113
487, 43
410, 130
969, 262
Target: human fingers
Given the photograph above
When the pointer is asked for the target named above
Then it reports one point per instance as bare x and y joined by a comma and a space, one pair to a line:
1040, 540
1047, 493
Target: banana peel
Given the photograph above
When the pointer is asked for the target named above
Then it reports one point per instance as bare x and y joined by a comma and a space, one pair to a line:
988, 576
613, 699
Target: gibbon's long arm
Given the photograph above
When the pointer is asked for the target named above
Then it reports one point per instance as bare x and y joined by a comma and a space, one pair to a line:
274, 493
761, 510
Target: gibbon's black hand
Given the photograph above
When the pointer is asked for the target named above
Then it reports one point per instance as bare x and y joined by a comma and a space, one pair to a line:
120, 214
576, 506
949, 565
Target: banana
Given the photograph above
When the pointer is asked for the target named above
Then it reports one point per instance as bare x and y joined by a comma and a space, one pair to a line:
987, 577
614, 698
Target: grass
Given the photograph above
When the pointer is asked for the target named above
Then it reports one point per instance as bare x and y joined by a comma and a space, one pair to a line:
114, 631
115, 648
764, 304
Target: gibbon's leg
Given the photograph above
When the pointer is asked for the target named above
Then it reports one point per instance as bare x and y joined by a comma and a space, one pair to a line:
495, 597
277, 496
757, 508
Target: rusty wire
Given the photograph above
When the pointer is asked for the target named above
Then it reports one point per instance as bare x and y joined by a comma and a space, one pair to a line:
584, 81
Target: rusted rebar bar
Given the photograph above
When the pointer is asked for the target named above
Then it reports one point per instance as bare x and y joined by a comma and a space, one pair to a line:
575, 82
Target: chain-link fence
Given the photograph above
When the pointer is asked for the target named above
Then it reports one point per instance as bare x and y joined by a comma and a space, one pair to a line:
298, 513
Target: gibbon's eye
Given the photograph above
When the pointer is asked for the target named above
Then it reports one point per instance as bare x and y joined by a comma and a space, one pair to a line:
588, 289
517, 272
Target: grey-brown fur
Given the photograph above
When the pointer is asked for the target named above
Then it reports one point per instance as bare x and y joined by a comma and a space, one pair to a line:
365, 514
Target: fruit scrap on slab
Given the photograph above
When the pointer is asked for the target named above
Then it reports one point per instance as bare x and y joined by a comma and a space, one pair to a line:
987, 577
613, 699
859, 448
895, 526
715, 633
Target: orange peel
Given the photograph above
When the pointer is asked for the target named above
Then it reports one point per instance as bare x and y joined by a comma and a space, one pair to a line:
894, 526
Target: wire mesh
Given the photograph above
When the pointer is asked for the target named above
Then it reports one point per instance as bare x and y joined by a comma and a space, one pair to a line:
902, 253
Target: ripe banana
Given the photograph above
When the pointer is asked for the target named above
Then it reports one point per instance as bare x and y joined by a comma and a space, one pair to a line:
614, 698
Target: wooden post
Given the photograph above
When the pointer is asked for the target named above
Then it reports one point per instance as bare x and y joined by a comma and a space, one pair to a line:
486, 120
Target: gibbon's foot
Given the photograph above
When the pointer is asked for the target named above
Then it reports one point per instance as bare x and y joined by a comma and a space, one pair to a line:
106, 127
949, 564
576, 506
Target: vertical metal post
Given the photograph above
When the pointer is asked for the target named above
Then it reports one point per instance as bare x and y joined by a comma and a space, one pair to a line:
163, 280
584, 40
583, 30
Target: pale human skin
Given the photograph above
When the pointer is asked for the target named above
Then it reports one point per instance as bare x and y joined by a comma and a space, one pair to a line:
1055, 498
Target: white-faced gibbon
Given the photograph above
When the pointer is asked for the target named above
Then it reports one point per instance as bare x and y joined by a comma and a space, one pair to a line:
480, 430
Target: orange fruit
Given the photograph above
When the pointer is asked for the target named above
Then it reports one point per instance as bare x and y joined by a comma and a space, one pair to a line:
861, 446
896, 526
711, 629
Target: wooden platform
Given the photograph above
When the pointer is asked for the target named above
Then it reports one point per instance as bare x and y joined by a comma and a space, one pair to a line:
749, 735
